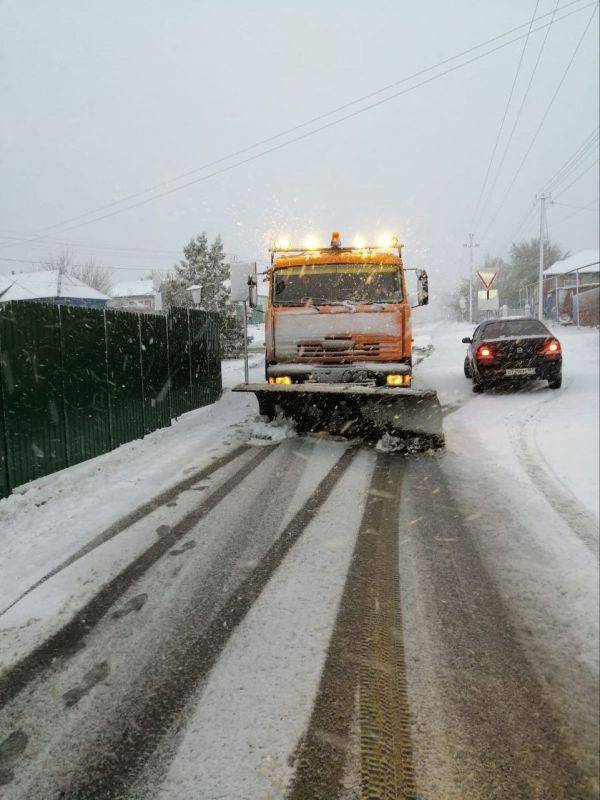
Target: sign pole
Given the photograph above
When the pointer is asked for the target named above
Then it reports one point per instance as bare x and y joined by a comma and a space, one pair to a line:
246, 371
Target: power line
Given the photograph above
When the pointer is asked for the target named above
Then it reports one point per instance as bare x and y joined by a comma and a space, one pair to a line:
503, 120
566, 167
568, 205
311, 121
590, 207
102, 266
526, 220
44, 242
573, 162
544, 117
519, 113
581, 174
556, 179
320, 128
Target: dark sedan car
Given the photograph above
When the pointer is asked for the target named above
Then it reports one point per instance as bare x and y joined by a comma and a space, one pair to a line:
513, 349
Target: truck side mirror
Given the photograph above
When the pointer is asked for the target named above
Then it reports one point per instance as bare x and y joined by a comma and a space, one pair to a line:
252, 292
466, 340
423, 287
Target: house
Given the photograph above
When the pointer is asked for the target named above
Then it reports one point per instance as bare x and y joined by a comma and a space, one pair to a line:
585, 263
50, 286
136, 295
575, 281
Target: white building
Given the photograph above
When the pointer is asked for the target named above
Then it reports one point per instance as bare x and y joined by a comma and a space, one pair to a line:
50, 286
136, 295
585, 263
572, 288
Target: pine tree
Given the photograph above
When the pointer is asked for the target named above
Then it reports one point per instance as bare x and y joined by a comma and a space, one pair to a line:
207, 266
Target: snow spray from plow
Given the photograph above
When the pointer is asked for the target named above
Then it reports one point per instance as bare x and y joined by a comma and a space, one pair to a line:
353, 410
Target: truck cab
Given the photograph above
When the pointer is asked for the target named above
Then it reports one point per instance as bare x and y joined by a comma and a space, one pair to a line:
340, 315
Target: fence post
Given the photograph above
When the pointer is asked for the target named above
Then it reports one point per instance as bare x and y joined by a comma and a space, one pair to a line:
5, 478
167, 318
141, 348
189, 328
111, 433
61, 347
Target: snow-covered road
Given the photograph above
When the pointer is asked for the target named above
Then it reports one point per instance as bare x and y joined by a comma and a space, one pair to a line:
207, 614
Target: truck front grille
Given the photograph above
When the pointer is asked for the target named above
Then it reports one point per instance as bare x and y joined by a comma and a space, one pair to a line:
319, 351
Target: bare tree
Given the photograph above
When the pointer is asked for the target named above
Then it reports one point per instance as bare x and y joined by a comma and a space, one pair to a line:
94, 275
62, 261
91, 273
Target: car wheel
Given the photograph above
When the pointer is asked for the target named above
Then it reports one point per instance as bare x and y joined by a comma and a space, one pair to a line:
467, 368
478, 387
556, 383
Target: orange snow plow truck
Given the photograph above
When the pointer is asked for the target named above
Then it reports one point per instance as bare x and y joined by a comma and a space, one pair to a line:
338, 344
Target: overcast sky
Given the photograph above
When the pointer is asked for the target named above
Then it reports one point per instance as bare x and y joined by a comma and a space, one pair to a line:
101, 100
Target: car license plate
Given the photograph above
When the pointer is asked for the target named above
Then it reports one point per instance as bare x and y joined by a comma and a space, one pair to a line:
520, 371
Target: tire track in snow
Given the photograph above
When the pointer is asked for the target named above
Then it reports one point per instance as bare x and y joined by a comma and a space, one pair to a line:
358, 740
69, 638
576, 516
134, 516
486, 726
152, 714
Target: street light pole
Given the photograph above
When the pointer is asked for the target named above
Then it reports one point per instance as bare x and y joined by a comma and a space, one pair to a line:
542, 198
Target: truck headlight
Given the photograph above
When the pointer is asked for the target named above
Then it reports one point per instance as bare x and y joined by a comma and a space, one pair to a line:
281, 379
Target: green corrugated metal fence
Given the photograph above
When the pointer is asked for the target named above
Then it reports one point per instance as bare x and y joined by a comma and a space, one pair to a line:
78, 382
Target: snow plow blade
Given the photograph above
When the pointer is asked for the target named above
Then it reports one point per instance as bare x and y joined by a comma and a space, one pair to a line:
354, 410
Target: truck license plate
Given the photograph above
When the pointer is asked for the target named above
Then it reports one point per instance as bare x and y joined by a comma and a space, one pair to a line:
520, 371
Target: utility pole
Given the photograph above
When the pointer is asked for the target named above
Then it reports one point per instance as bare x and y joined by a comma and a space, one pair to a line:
471, 244
542, 198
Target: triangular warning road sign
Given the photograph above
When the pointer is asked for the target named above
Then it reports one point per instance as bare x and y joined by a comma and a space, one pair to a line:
487, 278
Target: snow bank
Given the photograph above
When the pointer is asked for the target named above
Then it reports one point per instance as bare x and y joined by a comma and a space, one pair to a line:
51, 518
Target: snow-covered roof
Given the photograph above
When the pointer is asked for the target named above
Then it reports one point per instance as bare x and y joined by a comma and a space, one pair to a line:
139, 288
585, 261
45, 285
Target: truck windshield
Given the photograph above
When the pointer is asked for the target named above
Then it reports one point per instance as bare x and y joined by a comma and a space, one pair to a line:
351, 283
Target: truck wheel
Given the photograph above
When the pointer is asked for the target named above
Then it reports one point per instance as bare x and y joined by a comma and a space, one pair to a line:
266, 408
478, 387
467, 368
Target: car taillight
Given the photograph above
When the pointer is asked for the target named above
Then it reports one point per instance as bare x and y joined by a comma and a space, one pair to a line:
484, 352
552, 348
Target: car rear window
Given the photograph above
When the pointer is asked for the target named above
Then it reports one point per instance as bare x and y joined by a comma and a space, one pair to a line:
514, 327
